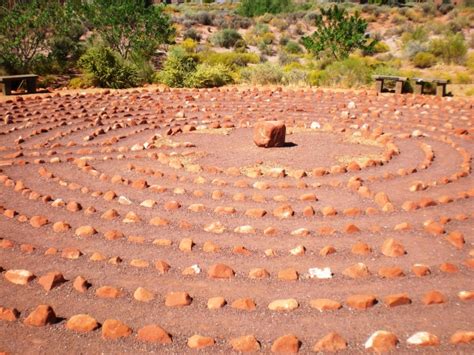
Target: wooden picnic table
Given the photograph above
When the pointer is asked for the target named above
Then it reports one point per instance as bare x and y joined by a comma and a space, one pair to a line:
10, 80
440, 85
399, 81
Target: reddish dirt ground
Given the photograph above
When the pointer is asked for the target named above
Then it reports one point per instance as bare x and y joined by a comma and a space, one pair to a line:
381, 183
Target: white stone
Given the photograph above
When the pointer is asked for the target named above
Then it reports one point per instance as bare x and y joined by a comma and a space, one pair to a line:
124, 200
315, 125
324, 273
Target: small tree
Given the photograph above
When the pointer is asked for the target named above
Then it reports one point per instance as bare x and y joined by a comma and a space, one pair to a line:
25, 31
129, 26
338, 34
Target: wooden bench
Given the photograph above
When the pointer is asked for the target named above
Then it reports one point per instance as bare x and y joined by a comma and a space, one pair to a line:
399, 81
14, 81
440, 85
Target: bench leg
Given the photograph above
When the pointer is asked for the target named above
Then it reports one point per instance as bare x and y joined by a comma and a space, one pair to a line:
31, 86
379, 85
441, 90
419, 88
399, 87
7, 88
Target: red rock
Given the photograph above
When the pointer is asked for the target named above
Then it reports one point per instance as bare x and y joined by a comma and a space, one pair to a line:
85, 231
456, 238
284, 211
113, 234
9, 314
423, 339
200, 342
41, 316
448, 267
216, 302
466, 295
140, 184
421, 270
258, 273
143, 295
328, 211
71, 253
38, 221
246, 343
286, 344
19, 277
351, 228
356, 271
433, 297
220, 271
331, 342
283, 305
397, 300
381, 199
27, 248
108, 292
327, 250
178, 299
255, 212
172, 205
381, 341
82, 323
269, 134
361, 248
115, 329
158, 221
246, 304
324, 304
462, 337
361, 301
109, 215
434, 228
210, 247
392, 248
61, 227
162, 266
389, 272
80, 284
289, 274
154, 334
186, 244
73, 206
51, 280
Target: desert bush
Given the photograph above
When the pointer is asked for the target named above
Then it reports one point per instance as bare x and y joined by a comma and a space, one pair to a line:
424, 60
338, 33
470, 61
204, 18
225, 38
451, 49
251, 8
299, 77
462, 78
412, 48
265, 48
268, 38
348, 73
279, 23
178, 66
228, 59
293, 48
262, 74
284, 58
107, 69
207, 76
81, 82
445, 8
381, 47
429, 8
192, 34
260, 29
189, 45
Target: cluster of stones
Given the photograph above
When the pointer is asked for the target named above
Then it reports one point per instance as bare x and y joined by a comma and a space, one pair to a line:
114, 165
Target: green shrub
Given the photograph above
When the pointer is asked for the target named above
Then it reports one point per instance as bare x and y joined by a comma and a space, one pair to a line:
251, 8
225, 38
284, 58
189, 45
297, 77
349, 73
314, 77
424, 60
191, 33
107, 69
81, 82
262, 74
178, 66
381, 47
293, 48
279, 23
207, 76
451, 49
470, 61
462, 78
228, 59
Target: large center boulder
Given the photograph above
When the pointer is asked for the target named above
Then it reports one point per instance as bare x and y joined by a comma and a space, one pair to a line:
269, 134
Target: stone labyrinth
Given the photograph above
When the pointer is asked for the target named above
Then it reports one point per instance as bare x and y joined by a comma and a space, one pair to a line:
149, 221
